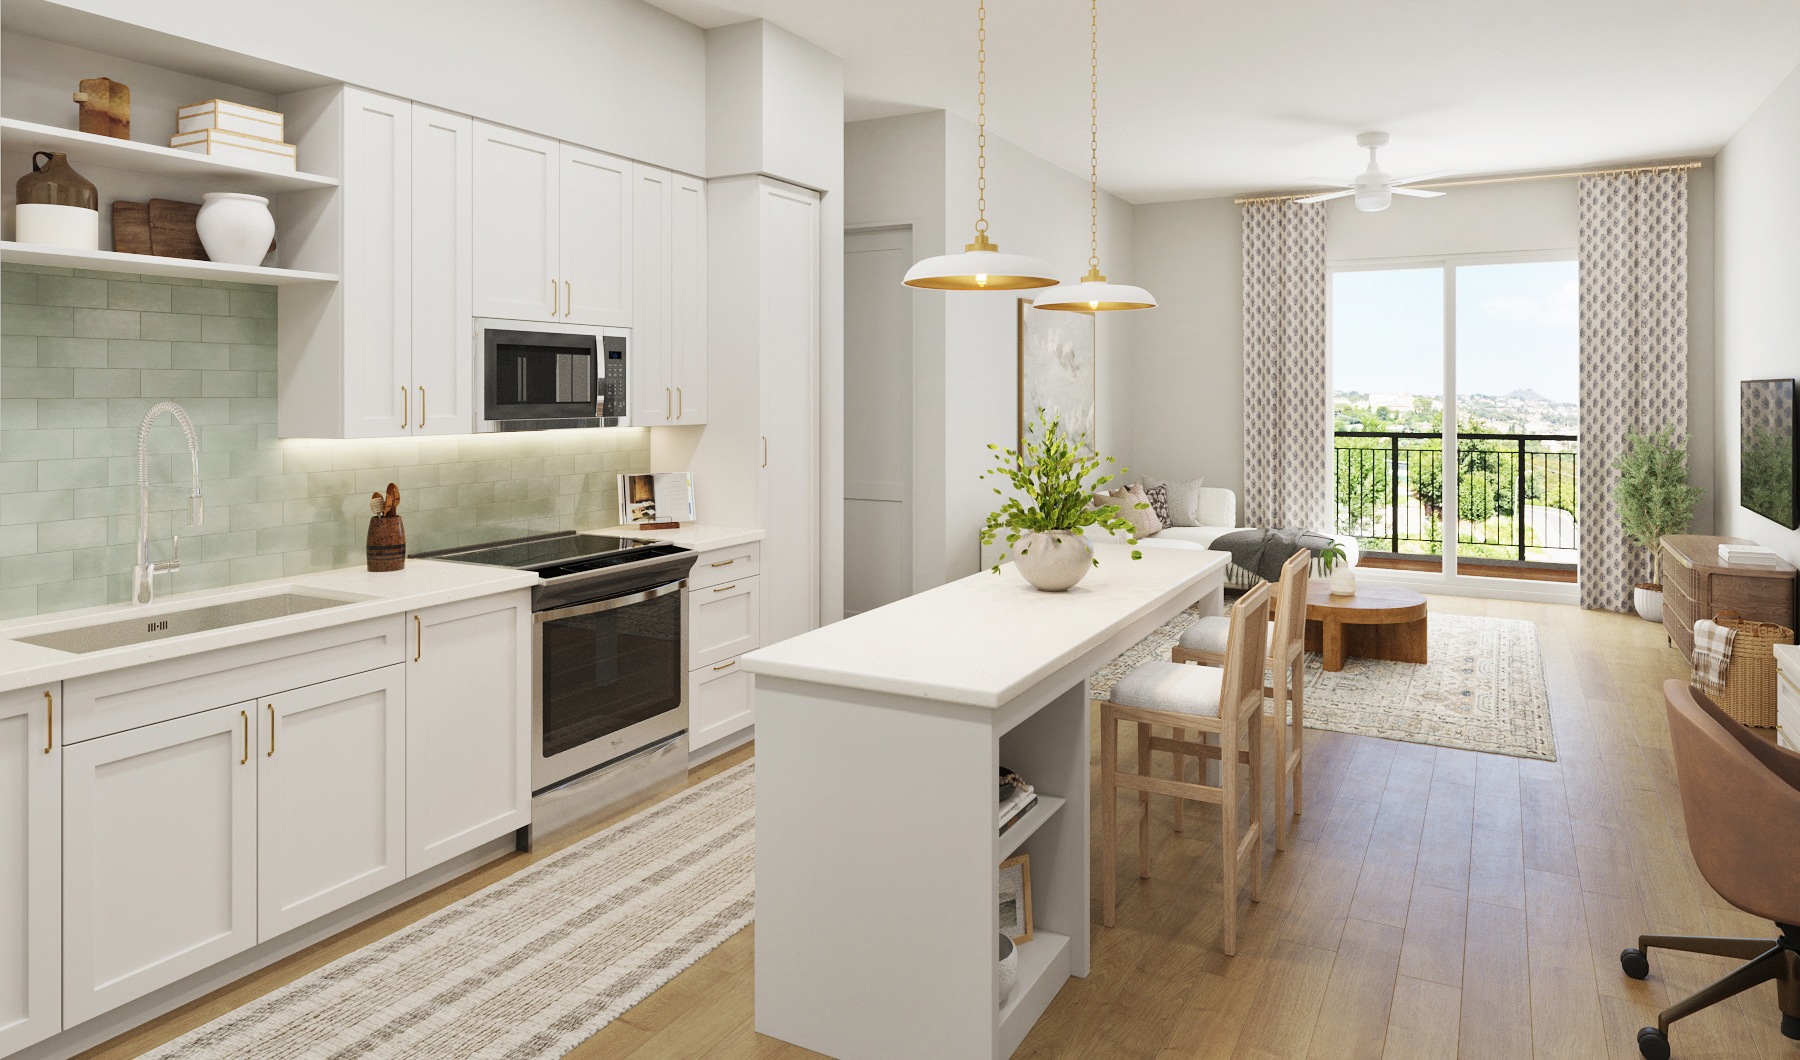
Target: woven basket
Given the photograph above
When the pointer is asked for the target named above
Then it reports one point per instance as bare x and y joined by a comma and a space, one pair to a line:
1749, 694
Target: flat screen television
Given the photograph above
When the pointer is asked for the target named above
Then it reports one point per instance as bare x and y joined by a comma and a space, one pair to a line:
1766, 483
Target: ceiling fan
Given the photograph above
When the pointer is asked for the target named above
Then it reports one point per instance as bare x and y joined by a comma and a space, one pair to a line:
1375, 190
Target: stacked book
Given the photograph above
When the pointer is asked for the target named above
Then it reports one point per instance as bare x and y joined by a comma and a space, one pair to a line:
1016, 800
1748, 556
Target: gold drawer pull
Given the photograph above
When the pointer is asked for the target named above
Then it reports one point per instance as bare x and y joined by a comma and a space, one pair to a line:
723, 665
725, 563
722, 588
49, 721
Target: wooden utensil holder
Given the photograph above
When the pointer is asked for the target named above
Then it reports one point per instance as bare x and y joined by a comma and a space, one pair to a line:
387, 543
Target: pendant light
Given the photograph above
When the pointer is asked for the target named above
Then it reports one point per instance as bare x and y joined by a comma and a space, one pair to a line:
981, 266
1093, 294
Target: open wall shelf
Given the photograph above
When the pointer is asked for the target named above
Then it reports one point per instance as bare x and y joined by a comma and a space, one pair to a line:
151, 265
114, 153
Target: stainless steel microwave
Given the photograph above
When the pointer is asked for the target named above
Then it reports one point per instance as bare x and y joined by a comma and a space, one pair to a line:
536, 376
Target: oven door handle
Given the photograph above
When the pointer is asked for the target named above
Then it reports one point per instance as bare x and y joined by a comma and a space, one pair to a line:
612, 603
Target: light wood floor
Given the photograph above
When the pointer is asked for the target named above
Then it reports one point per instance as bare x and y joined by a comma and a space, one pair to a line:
1433, 903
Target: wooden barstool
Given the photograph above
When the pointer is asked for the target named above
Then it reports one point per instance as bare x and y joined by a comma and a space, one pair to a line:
1202, 699
1204, 643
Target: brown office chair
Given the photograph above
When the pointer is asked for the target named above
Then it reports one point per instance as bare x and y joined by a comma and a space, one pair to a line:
1740, 795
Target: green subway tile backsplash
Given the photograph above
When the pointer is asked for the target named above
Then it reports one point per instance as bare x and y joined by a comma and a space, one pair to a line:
83, 355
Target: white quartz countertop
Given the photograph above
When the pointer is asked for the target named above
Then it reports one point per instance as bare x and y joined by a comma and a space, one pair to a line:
698, 536
422, 583
986, 639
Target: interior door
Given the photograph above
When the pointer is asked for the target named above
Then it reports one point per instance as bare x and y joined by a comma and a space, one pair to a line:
652, 359
30, 868
878, 430
788, 489
687, 298
159, 856
443, 305
331, 796
516, 225
377, 273
596, 237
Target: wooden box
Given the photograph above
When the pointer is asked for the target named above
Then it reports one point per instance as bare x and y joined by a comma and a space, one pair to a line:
1696, 585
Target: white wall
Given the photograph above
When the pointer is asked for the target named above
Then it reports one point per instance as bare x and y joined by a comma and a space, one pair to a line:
1758, 275
1188, 362
618, 75
966, 345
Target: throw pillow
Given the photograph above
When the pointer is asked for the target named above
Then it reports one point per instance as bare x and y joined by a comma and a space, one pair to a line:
1159, 502
1184, 502
1144, 522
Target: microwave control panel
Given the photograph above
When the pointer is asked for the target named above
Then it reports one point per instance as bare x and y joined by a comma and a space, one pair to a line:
612, 378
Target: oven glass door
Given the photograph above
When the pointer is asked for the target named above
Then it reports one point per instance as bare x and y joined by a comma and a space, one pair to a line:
610, 680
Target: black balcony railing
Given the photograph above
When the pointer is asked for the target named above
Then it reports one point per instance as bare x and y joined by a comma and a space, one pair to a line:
1515, 495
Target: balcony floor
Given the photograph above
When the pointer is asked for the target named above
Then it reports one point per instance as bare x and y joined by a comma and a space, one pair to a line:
1475, 567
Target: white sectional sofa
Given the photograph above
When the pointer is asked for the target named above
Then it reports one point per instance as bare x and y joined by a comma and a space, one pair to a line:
1218, 515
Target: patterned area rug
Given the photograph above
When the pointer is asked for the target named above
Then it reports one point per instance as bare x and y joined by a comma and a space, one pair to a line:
1483, 689
533, 965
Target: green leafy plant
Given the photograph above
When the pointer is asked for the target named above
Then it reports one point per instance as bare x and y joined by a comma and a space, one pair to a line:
1054, 479
1331, 555
1653, 493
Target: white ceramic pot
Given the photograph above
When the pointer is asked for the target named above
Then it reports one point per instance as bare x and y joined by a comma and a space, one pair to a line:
1009, 968
1053, 561
1648, 601
1343, 580
74, 227
235, 229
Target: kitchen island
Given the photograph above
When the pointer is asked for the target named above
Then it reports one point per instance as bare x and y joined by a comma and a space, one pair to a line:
879, 741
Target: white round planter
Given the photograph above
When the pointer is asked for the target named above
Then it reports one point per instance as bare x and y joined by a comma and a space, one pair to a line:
1053, 561
1648, 601
235, 229
1343, 580
74, 227
1008, 969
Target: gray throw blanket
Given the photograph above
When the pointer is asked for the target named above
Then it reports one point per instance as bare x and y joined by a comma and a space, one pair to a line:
1262, 552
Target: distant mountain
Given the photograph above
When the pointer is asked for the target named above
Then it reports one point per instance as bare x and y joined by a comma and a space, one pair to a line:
1527, 395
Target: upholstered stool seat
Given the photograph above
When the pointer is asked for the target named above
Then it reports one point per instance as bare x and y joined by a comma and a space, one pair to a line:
1174, 687
1207, 635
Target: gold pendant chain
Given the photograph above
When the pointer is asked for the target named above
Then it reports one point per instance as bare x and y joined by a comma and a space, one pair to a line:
1094, 135
981, 224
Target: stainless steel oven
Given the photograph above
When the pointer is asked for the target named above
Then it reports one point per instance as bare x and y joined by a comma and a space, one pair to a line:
532, 375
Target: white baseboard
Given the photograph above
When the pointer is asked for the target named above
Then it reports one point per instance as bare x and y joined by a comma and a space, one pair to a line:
721, 745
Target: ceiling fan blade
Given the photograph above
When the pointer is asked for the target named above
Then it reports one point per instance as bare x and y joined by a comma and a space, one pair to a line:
1417, 193
1327, 195
1416, 178
1329, 183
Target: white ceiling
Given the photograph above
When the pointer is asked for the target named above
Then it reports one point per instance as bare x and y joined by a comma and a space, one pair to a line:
1232, 96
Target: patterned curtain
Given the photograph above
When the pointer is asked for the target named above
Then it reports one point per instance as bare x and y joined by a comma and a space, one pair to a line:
1633, 355
1287, 397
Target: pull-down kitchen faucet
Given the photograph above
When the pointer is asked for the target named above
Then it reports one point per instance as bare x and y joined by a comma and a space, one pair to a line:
143, 586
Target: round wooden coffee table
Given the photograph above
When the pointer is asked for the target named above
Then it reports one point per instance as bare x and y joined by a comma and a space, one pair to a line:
1375, 622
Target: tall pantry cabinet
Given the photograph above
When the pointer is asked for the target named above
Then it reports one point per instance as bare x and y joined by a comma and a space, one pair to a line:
761, 453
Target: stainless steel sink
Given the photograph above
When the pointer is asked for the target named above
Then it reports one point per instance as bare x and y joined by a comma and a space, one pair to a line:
118, 633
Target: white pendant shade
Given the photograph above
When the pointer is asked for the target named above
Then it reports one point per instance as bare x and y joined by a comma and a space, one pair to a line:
980, 270
1094, 296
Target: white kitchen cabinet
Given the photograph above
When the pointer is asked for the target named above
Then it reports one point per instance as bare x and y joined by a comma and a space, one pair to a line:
721, 702
31, 758
468, 776
331, 796
724, 621
388, 351
668, 351
159, 856
595, 237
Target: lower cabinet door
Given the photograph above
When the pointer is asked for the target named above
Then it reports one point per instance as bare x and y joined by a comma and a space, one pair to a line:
30, 867
331, 796
159, 856
721, 701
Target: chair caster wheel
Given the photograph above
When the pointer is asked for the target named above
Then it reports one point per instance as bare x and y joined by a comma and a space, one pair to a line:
1790, 1027
1635, 963
1653, 1044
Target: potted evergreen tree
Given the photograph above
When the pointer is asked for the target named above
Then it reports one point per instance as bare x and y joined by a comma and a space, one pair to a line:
1654, 499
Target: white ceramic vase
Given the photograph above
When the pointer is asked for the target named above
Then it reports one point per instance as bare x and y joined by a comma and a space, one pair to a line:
1343, 580
234, 228
1009, 968
1648, 601
1054, 560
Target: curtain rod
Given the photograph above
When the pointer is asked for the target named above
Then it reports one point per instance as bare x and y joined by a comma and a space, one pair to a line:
1489, 180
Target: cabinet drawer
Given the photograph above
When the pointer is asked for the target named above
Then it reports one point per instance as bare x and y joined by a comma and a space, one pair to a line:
1676, 572
723, 565
1680, 632
1759, 599
724, 621
721, 701
144, 695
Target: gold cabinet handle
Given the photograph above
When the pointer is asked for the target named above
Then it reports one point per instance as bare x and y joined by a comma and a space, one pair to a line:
680, 404
668, 403
271, 753
554, 304
568, 297
421, 408
49, 722
722, 588
723, 665
418, 638
724, 563
405, 408
765, 439
244, 714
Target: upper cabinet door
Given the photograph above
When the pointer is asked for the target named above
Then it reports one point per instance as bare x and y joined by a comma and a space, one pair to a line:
443, 204
652, 375
516, 225
687, 298
596, 237
377, 284
31, 878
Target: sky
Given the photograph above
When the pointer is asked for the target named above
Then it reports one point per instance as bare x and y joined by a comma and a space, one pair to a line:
1516, 328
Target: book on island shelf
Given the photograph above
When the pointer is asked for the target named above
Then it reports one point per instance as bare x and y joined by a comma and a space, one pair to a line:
1748, 556
1007, 820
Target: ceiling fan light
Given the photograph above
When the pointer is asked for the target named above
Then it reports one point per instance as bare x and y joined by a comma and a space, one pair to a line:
1374, 200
